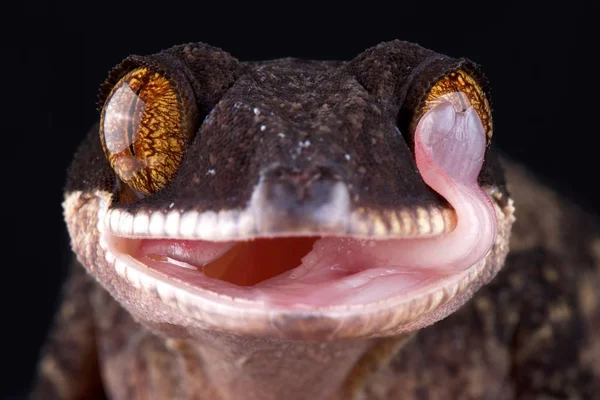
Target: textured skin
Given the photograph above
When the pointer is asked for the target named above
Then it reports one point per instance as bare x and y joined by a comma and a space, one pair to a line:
526, 334
529, 334
69, 366
345, 115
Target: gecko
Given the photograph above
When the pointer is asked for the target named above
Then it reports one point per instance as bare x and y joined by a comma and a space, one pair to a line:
298, 229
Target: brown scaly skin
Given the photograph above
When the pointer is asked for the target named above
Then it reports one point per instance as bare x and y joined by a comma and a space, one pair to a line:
527, 334
530, 333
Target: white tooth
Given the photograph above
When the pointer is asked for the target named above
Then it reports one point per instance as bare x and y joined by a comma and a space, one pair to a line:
449, 219
163, 290
172, 224
424, 227
114, 220
205, 227
359, 223
147, 282
395, 226
106, 219
125, 224
437, 220
246, 224
407, 222
157, 223
226, 224
379, 228
133, 276
110, 257
187, 224
100, 222
120, 268
140, 224
102, 242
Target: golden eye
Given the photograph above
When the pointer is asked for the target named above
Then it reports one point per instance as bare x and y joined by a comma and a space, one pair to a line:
143, 130
460, 81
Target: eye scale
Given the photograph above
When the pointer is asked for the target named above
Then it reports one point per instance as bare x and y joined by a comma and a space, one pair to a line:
141, 130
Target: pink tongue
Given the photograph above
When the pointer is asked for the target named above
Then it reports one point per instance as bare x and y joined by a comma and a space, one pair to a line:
449, 149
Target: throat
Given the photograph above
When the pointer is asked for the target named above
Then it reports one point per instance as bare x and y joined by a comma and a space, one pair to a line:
243, 263
264, 369
249, 263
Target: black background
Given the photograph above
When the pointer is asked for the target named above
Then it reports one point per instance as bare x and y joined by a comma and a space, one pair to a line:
541, 61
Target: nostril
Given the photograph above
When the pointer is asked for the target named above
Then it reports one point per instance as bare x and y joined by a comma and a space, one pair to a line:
279, 172
301, 176
299, 185
298, 189
291, 198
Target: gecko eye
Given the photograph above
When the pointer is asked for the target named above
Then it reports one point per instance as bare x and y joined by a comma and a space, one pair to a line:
144, 129
458, 81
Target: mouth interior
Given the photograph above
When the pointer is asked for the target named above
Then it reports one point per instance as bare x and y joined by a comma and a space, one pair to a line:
287, 271
244, 263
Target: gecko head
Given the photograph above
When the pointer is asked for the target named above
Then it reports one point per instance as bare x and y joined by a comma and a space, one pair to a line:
289, 198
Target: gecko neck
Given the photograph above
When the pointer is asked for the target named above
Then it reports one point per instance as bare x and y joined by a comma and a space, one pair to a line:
252, 368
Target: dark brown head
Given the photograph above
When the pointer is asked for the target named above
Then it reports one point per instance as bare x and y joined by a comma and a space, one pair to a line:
208, 182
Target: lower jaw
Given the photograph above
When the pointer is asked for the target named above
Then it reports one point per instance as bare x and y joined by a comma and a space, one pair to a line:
344, 277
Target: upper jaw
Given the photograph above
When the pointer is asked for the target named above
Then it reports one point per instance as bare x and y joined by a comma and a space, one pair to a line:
329, 213
156, 300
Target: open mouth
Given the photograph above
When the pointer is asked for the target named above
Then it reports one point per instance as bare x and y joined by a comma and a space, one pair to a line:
329, 271
287, 272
